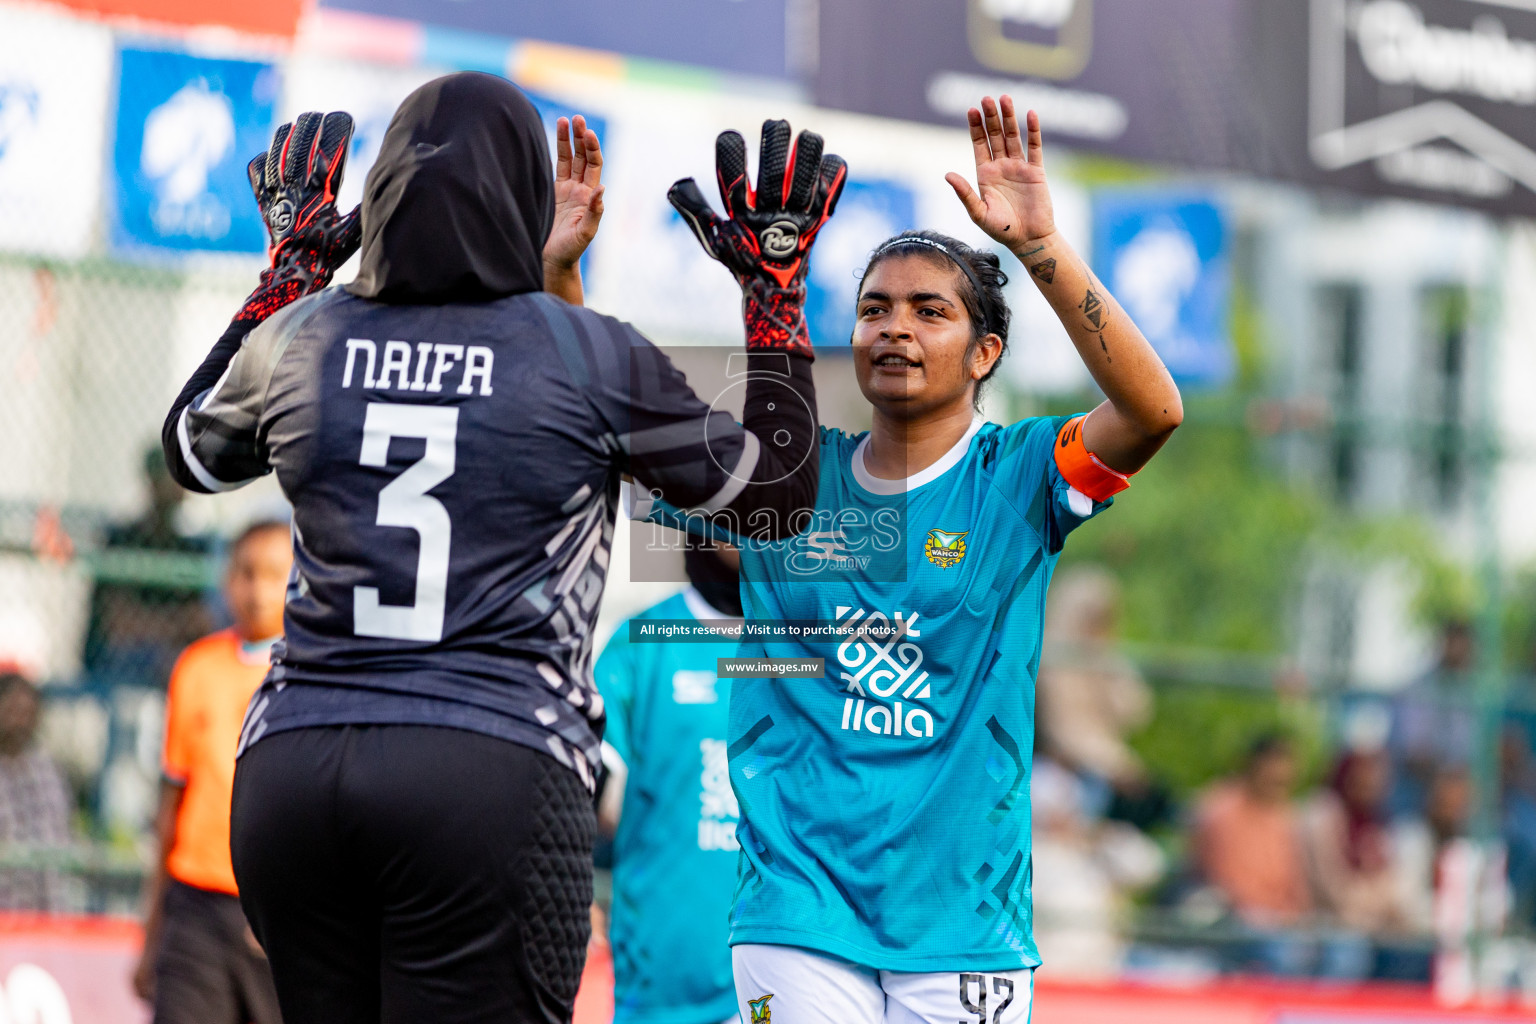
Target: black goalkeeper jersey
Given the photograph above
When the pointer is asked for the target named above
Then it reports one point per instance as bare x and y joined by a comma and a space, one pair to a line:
452, 441
454, 472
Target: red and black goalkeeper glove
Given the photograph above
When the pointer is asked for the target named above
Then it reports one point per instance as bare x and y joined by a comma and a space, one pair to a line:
766, 236
295, 185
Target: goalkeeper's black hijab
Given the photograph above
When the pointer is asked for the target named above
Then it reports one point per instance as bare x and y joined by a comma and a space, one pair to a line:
459, 203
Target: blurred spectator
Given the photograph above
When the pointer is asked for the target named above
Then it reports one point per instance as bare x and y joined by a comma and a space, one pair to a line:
1349, 847
1249, 845
1247, 841
1454, 887
1517, 765
1093, 867
34, 803
1433, 721
1420, 841
137, 627
1091, 697
201, 964
1518, 788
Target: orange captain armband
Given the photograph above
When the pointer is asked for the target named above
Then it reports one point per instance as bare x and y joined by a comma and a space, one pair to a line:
1081, 468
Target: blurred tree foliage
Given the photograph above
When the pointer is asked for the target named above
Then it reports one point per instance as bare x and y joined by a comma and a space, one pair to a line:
1209, 543
1520, 631
1204, 731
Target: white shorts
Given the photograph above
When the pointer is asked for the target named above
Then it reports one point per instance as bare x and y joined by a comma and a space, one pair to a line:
785, 985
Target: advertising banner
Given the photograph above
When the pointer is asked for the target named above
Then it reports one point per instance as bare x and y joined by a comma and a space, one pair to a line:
54, 77
869, 212
743, 36
1224, 1001
1425, 98
1125, 76
69, 970
271, 17
1429, 99
186, 128
1164, 257
649, 267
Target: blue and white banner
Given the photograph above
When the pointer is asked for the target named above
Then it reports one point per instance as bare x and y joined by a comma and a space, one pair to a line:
186, 128
743, 36
868, 213
1164, 257
54, 75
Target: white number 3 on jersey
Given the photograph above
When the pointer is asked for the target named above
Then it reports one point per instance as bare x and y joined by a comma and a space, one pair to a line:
404, 502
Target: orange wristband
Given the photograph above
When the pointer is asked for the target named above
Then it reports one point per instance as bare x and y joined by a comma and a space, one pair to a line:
1081, 468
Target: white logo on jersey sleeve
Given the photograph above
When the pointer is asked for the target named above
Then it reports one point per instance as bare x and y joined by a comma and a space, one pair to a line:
694, 686
718, 810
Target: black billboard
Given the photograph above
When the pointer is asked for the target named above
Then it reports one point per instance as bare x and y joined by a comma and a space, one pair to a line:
1429, 99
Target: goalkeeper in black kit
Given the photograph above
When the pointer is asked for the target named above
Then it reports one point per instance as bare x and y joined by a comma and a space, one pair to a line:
412, 820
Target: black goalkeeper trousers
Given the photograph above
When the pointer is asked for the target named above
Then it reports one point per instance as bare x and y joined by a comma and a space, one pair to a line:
402, 873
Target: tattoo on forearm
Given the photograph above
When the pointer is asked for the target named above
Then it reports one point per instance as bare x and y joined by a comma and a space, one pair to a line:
1093, 309
1045, 270
1030, 252
1107, 357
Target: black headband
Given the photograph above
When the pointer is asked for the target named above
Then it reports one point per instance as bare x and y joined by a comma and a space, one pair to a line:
965, 268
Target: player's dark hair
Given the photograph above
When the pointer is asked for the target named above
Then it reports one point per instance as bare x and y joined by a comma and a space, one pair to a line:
254, 530
981, 293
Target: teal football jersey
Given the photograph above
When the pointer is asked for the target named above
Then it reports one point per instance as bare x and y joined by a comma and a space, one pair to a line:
675, 852
885, 813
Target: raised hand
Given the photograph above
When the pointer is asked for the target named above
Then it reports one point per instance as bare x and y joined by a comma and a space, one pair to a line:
1011, 201
766, 235
578, 194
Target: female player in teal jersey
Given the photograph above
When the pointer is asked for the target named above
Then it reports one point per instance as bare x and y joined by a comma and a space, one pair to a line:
885, 871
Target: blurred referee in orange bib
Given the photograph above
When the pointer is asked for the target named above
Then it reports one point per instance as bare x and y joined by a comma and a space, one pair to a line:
201, 964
